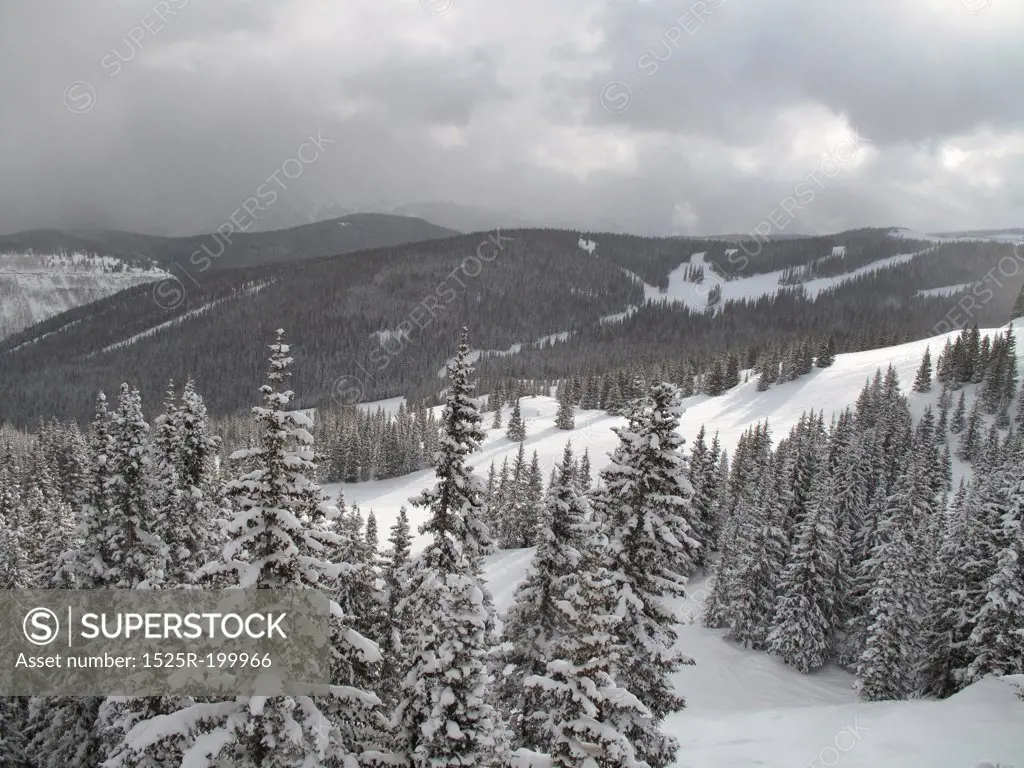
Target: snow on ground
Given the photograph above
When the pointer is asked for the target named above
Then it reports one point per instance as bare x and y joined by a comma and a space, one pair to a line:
829, 389
746, 708
37, 286
944, 290
390, 406
587, 245
387, 335
903, 233
514, 349
751, 287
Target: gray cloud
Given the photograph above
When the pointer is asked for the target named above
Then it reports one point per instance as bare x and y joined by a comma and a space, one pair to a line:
138, 119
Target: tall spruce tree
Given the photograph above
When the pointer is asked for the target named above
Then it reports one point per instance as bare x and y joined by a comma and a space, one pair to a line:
923, 380
581, 707
516, 431
645, 506
537, 618
443, 717
276, 535
566, 416
805, 618
997, 640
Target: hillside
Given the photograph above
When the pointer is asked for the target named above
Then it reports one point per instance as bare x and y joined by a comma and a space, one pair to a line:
355, 232
37, 286
829, 390
46, 272
745, 708
385, 317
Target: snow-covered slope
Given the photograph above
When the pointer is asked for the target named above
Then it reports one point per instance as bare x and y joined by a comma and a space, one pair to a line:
747, 708
829, 389
695, 295
34, 286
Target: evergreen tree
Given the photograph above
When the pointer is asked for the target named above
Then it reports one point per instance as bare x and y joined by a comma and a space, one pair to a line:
581, 707
958, 421
923, 380
443, 717
591, 398
756, 582
138, 555
889, 664
395, 571
645, 505
804, 624
971, 437
827, 352
276, 536
565, 418
584, 478
997, 641
496, 421
702, 471
613, 402
516, 431
458, 493
63, 730
537, 619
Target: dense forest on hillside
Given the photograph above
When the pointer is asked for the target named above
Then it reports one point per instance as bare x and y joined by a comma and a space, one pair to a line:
379, 321
203, 252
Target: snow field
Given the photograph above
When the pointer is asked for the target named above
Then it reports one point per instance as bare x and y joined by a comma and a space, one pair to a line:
746, 708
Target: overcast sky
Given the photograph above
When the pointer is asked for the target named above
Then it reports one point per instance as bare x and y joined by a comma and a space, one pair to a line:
653, 117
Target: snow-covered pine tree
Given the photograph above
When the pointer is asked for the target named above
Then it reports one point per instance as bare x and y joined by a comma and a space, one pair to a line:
536, 619
740, 486
534, 495
584, 478
167, 494
580, 704
516, 431
274, 543
395, 571
945, 634
458, 493
496, 421
138, 555
889, 664
566, 417
997, 640
702, 476
760, 565
957, 421
371, 536
63, 729
197, 536
971, 437
805, 618
590, 399
644, 505
12, 741
827, 352
923, 380
95, 559
443, 717
16, 569
613, 403
514, 508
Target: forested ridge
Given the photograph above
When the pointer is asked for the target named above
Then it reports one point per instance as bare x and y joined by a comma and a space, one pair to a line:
380, 320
